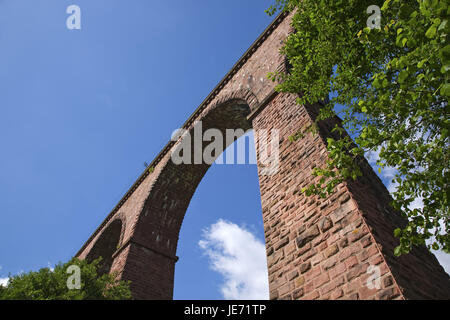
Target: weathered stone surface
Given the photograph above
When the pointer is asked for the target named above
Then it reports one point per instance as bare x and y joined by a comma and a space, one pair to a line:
325, 224
307, 236
300, 281
388, 294
342, 211
297, 294
305, 267
282, 243
330, 251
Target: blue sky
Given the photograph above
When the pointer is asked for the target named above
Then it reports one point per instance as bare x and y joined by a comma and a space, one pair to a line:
82, 110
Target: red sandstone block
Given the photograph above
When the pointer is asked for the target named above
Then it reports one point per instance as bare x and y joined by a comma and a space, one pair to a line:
353, 296
343, 243
321, 279
303, 250
372, 250
388, 294
337, 270
273, 294
334, 238
352, 286
312, 296
376, 260
297, 294
334, 283
280, 244
344, 254
292, 275
387, 281
305, 267
307, 236
363, 255
309, 287
365, 293
316, 259
355, 248
329, 263
367, 241
356, 234
355, 272
285, 289
332, 250
325, 224
351, 262
323, 246
299, 282
342, 211
314, 272
309, 254
384, 268
336, 294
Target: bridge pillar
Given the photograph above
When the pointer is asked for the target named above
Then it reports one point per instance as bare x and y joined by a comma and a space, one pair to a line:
340, 247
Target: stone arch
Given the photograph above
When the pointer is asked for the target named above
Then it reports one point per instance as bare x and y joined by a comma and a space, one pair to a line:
175, 185
106, 245
245, 96
156, 228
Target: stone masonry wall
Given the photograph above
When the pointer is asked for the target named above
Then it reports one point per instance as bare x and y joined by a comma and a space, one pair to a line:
325, 248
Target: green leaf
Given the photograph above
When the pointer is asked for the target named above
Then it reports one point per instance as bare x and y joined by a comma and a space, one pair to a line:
431, 32
445, 68
402, 76
404, 40
421, 63
445, 89
397, 251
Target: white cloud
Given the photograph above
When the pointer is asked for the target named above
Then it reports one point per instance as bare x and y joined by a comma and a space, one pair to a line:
240, 258
4, 281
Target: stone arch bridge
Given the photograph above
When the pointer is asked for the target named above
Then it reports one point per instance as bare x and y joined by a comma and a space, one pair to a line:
316, 248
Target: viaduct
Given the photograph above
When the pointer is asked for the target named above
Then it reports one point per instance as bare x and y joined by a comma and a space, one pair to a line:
316, 248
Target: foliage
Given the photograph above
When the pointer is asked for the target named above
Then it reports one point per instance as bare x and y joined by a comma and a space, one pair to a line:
390, 86
46, 284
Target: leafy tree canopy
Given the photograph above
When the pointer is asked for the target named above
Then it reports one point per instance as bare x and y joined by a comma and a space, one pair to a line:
46, 284
393, 84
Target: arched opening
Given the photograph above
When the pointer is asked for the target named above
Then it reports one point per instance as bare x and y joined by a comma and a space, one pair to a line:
106, 245
169, 199
158, 226
221, 245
